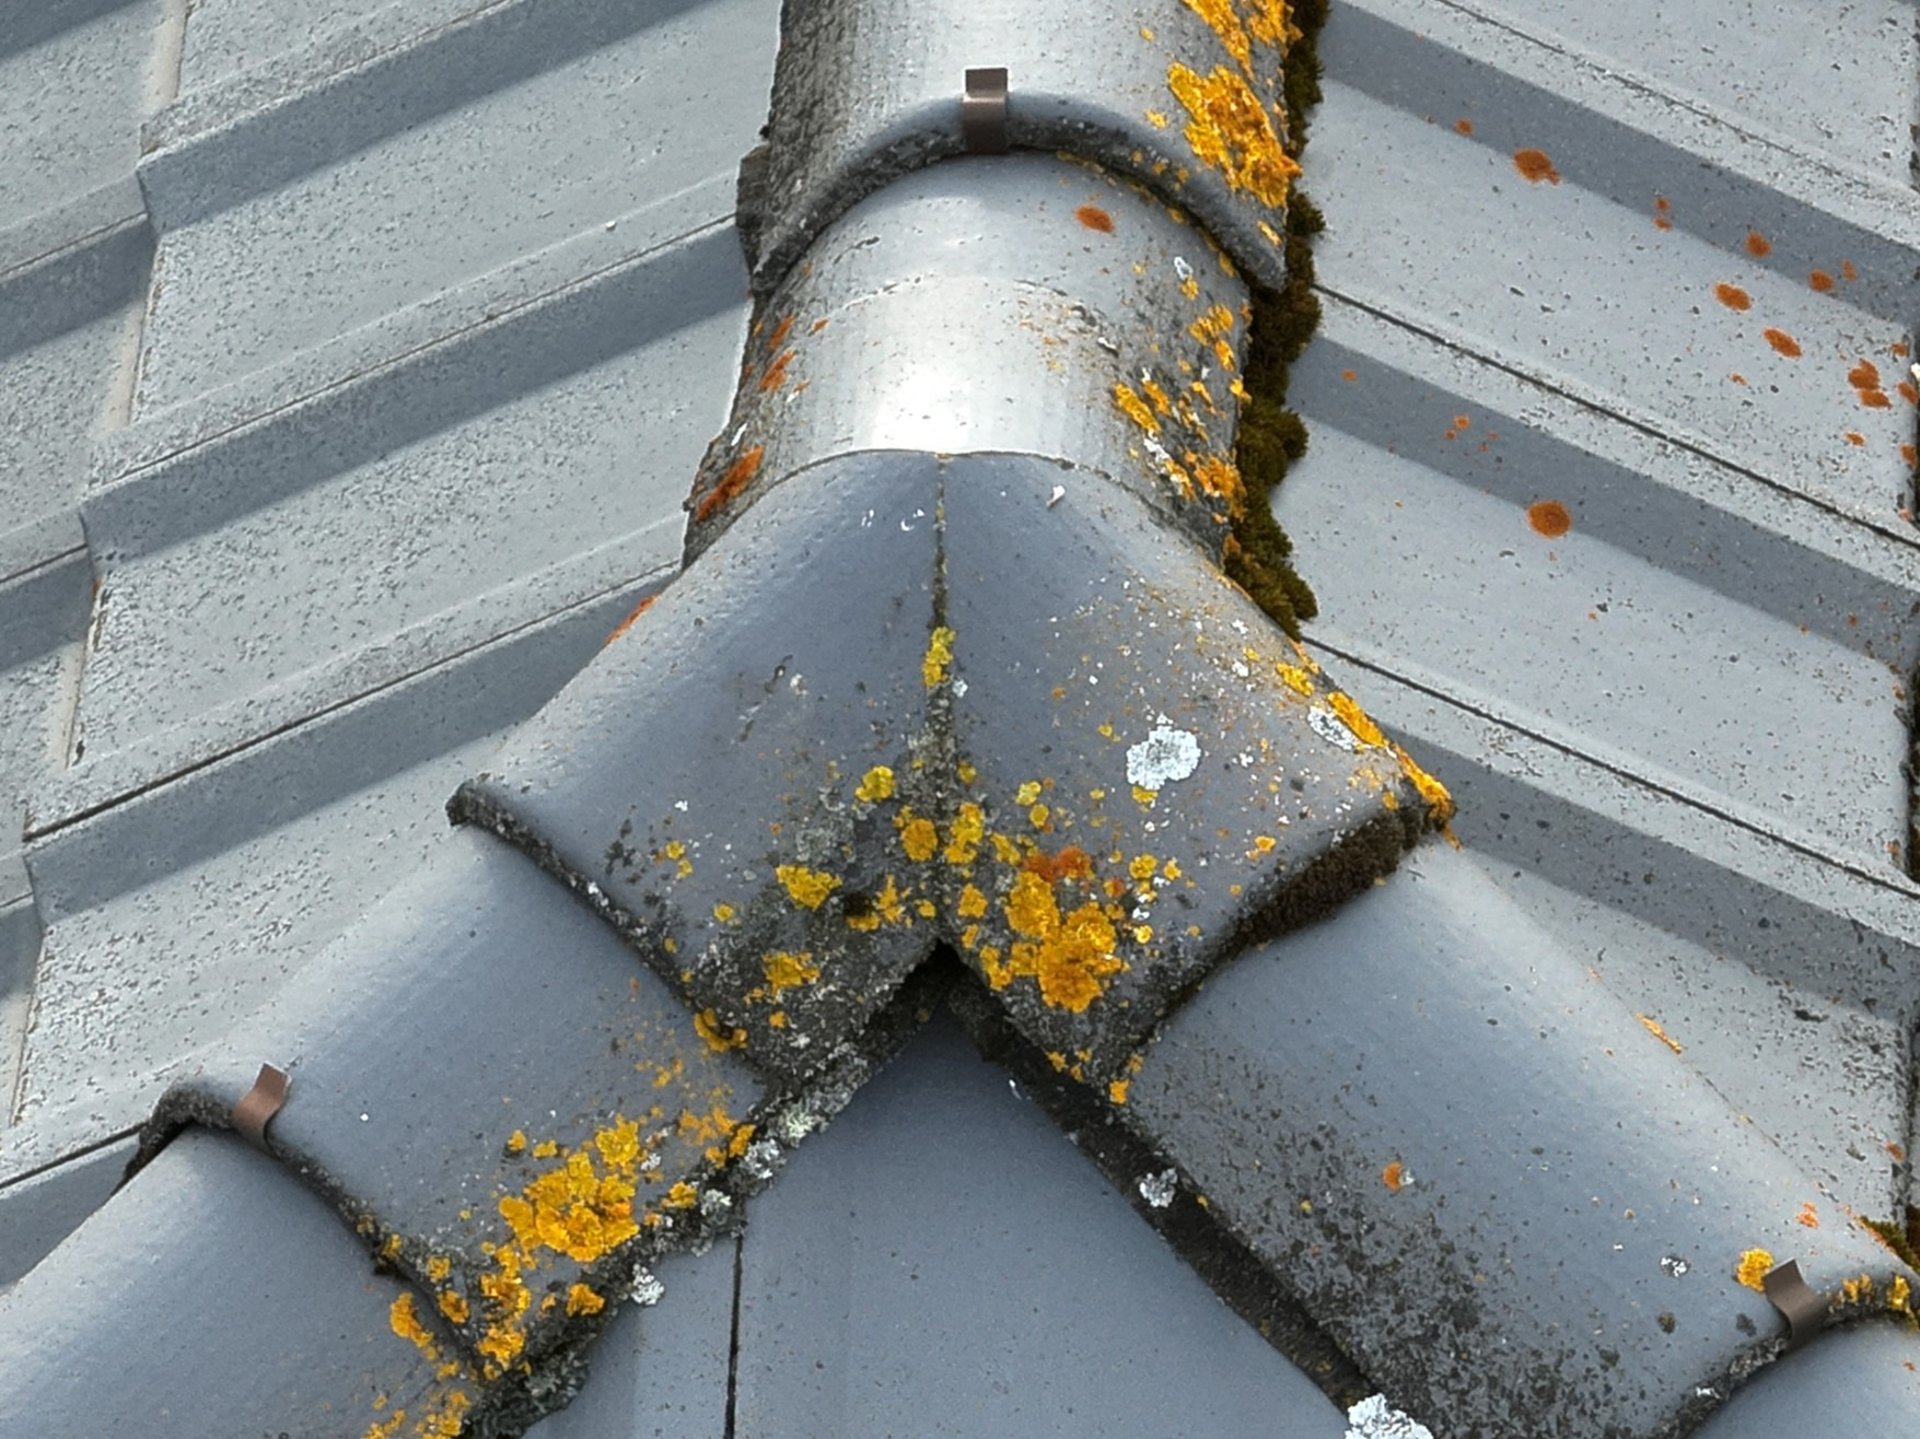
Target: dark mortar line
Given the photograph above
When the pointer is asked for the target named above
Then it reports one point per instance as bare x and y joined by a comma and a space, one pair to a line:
332, 707
733, 1345
1229, 1266
1910, 539
1630, 777
70, 1157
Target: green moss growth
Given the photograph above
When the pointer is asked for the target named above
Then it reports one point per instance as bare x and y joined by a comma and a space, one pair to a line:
1271, 436
1903, 1240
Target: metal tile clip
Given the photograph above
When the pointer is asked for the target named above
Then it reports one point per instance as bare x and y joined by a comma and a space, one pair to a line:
258, 1105
1803, 1309
983, 111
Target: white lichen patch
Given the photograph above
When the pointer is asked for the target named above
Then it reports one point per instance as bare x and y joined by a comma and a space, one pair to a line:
1164, 756
1158, 1189
1374, 1418
1331, 728
646, 1290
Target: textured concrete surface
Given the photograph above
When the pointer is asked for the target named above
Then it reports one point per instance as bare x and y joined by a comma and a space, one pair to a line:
41, 1210
306, 1343
988, 1283
1506, 1194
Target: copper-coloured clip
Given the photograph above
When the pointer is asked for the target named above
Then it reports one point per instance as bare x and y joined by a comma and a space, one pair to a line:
983, 111
1803, 1309
258, 1105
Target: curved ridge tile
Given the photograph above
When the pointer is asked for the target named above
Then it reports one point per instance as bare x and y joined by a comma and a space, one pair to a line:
1019, 304
507, 1109
868, 758
1185, 98
1517, 1208
1865, 1377
306, 1346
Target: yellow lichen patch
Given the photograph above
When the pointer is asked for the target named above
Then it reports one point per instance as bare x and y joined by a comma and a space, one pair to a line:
1134, 408
1439, 802
706, 1024
386, 1428
1154, 393
786, 970
933, 668
725, 913
438, 1268
1357, 720
1224, 21
875, 785
918, 837
1653, 1027
1271, 23
1900, 1295
1753, 1269
1295, 678
969, 828
1117, 1090
452, 1304
807, 888
682, 1196
1220, 479
1028, 793
1215, 328
1857, 1289
582, 1300
405, 1321
973, 903
1231, 132
1071, 956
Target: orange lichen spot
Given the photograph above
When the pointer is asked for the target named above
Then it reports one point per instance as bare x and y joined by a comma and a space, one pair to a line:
1349, 375
438, 1268
453, 1305
1732, 296
1864, 376
1231, 132
1357, 720
1909, 392
785, 969
1220, 479
582, 1300
1847, 270
779, 333
1753, 1269
738, 476
706, 1024
1463, 125
939, 655
628, 623
1394, 1176
517, 1142
1549, 518
1854, 437
1653, 1027
807, 888
1874, 399
1661, 222
1117, 1090
918, 837
1910, 455
1535, 166
1737, 378
1094, 218
1463, 422
875, 785
776, 373
1068, 862
1758, 245
1820, 280
1808, 1217
1662, 204
818, 325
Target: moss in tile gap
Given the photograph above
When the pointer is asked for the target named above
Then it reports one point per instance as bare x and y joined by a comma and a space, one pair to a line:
1259, 556
1902, 1239
1196, 1232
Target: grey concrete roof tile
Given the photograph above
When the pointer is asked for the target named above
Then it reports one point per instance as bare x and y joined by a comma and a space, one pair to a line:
1497, 1187
493, 1093
39, 1211
661, 1369
983, 1282
306, 1343
1866, 1378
